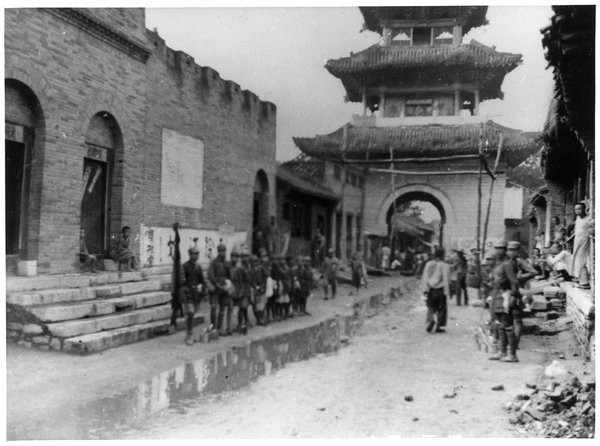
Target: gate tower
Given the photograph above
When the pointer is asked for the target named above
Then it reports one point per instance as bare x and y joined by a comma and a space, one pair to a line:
423, 86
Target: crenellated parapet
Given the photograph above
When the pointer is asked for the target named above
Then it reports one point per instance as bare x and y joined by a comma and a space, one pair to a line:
185, 69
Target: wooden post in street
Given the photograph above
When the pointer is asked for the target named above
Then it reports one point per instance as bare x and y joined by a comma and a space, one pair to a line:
479, 207
487, 214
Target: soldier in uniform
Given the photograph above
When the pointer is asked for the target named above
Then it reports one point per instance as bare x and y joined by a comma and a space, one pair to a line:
244, 292
504, 300
193, 284
525, 272
260, 274
219, 279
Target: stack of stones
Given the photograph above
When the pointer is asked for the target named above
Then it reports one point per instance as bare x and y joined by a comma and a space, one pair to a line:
563, 409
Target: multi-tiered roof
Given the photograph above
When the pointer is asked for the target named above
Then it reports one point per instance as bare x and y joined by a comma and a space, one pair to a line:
425, 85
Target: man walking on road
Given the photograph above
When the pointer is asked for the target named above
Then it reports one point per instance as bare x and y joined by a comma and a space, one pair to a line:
330, 270
436, 287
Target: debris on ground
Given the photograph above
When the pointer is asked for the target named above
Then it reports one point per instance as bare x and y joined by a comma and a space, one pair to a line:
564, 409
408, 398
498, 387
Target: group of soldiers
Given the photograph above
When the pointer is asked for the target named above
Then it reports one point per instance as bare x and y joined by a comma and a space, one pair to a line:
504, 275
276, 288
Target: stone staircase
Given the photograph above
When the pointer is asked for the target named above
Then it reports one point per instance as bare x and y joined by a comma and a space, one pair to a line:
78, 313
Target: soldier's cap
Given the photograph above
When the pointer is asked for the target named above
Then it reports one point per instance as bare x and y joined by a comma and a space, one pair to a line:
459, 251
501, 244
245, 253
193, 250
253, 258
221, 247
330, 250
235, 253
514, 245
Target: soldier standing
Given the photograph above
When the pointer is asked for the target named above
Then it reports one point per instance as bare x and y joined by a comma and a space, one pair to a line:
193, 284
506, 292
219, 278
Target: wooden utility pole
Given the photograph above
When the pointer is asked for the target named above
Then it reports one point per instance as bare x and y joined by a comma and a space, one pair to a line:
479, 208
487, 214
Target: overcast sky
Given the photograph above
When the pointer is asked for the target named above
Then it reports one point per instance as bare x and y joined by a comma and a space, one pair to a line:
280, 53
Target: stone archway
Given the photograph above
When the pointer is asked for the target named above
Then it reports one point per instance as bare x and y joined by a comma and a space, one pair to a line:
417, 190
25, 132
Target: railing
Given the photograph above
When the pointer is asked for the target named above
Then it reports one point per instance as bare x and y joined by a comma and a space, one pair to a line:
376, 121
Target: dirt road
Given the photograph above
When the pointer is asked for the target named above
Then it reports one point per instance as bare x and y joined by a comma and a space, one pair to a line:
362, 390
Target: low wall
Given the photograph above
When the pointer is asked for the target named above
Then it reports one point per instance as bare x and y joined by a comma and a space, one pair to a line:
581, 309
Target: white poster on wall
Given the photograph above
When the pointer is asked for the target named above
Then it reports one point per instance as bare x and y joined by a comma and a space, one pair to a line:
182, 170
157, 244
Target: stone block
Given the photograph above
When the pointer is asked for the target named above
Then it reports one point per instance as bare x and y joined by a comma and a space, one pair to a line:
539, 303
32, 329
27, 268
55, 344
14, 326
139, 287
12, 334
552, 291
24, 343
41, 340
107, 291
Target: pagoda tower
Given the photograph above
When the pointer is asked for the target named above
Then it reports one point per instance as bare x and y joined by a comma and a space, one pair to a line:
421, 129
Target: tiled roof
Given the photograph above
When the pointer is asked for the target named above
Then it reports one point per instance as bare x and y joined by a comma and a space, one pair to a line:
308, 168
377, 58
420, 141
469, 16
303, 185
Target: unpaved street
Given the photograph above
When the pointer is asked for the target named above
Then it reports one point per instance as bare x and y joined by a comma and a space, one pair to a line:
360, 391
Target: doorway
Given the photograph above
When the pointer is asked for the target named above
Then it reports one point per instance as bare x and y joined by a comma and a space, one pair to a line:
14, 188
93, 204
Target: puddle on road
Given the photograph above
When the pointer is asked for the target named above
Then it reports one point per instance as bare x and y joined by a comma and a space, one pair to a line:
177, 390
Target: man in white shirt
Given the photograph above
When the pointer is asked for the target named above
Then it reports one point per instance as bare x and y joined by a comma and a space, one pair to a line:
581, 245
436, 287
560, 260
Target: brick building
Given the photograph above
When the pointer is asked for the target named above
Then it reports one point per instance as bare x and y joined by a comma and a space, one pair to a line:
421, 142
333, 204
107, 126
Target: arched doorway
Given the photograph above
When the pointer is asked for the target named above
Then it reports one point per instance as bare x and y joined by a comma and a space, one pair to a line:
101, 201
24, 129
260, 208
415, 220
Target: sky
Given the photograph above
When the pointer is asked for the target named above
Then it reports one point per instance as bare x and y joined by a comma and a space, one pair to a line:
280, 53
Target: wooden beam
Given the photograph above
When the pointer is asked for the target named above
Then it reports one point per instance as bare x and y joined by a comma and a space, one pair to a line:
420, 172
410, 160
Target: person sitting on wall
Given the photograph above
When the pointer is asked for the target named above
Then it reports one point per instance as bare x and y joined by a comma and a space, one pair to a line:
123, 252
560, 261
88, 260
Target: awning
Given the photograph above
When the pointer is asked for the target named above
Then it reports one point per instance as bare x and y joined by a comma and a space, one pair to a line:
305, 186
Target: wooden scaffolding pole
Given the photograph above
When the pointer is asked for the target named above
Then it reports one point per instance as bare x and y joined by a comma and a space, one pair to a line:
487, 214
479, 208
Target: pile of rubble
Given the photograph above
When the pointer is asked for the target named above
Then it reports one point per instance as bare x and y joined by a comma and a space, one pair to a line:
564, 409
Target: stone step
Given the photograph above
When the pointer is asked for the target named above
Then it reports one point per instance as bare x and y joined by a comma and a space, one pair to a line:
69, 329
96, 342
98, 307
21, 284
63, 295
158, 270
539, 303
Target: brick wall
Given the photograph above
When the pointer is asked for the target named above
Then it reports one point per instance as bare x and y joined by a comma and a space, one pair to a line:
581, 309
74, 74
